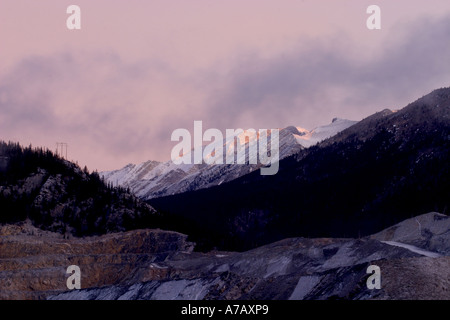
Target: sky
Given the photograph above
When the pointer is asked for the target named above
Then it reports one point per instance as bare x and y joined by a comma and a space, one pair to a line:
137, 70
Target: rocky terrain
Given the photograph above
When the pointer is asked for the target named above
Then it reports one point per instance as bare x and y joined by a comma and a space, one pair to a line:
153, 264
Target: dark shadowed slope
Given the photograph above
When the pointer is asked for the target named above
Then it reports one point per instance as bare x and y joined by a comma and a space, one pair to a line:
386, 168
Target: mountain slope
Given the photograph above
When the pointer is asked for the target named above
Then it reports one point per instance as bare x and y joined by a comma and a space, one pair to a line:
152, 179
375, 173
57, 195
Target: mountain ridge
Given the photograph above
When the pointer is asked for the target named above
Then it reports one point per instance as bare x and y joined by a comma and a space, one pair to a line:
151, 179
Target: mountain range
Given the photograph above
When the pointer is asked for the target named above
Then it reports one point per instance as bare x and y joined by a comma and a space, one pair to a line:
152, 179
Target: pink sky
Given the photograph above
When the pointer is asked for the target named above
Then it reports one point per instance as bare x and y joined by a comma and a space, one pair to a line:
137, 70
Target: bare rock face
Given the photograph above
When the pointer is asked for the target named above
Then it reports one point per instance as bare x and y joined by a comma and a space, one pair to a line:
33, 262
289, 269
155, 264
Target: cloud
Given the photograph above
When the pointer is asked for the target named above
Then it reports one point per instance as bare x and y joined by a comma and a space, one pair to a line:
328, 78
113, 111
109, 109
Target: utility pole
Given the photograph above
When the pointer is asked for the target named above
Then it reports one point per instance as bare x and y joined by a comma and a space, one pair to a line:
60, 147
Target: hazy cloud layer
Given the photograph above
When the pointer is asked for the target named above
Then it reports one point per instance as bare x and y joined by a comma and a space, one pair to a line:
318, 80
112, 112
95, 102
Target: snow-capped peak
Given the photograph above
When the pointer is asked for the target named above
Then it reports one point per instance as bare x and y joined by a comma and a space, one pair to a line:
309, 138
152, 179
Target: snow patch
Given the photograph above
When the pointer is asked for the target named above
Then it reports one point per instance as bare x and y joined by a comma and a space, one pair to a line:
413, 249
